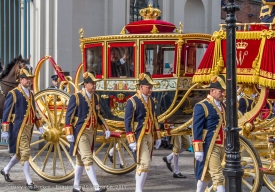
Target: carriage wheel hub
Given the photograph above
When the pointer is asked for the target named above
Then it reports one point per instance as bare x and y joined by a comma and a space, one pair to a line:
51, 135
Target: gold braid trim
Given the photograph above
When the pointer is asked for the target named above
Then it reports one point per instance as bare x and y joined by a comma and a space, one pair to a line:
69, 130
198, 146
130, 138
5, 127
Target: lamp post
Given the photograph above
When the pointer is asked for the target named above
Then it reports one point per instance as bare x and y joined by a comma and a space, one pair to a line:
233, 170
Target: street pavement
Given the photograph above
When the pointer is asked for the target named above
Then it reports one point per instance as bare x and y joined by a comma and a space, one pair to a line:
159, 179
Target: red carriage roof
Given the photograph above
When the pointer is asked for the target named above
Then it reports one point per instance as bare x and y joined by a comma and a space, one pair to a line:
150, 24
255, 57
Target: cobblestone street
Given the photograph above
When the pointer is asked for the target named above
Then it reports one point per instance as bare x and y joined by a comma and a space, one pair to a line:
159, 178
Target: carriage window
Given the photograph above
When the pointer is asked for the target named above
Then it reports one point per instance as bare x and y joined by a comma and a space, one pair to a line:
94, 59
193, 56
159, 59
121, 61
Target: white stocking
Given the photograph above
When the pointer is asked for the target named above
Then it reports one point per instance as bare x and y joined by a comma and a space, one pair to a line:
111, 153
77, 176
220, 188
92, 176
140, 180
176, 163
201, 186
12, 162
26, 169
170, 157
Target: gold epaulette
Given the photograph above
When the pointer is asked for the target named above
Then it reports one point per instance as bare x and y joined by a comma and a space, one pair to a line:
205, 109
130, 137
133, 102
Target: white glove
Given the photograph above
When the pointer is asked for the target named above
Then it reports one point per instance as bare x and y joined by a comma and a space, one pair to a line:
172, 127
199, 156
5, 135
107, 134
158, 143
41, 130
70, 138
239, 97
133, 146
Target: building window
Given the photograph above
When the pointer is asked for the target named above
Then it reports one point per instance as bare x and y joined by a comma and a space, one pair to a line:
136, 5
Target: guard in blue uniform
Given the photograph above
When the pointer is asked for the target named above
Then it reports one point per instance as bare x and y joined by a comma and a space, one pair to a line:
19, 118
82, 118
267, 14
142, 127
245, 104
209, 136
54, 82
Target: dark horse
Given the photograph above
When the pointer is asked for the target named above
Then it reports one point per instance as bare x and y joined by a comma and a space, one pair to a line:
9, 79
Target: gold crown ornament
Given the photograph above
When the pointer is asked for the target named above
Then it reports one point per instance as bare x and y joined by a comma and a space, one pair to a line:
241, 45
150, 13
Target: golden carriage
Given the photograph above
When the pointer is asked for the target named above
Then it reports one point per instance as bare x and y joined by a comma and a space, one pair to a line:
174, 59
150, 45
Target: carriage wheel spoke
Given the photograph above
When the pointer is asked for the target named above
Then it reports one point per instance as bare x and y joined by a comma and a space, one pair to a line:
67, 154
39, 153
37, 142
61, 114
43, 113
54, 159
246, 184
55, 112
64, 142
129, 152
49, 114
106, 154
60, 158
47, 157
100, 148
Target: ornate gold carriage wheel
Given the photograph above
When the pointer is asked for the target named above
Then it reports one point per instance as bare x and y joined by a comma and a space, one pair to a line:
122, 158
51, 160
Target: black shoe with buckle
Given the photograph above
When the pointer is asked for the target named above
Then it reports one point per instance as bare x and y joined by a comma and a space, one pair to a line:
6, 176
101, 190
167, 164
179, 175
32, 186
78, 190
121, 166
111, 158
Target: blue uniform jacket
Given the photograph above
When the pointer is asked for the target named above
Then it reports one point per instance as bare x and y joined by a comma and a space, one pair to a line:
17, 108
245, 105
207, 121
136, 118
78, 114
